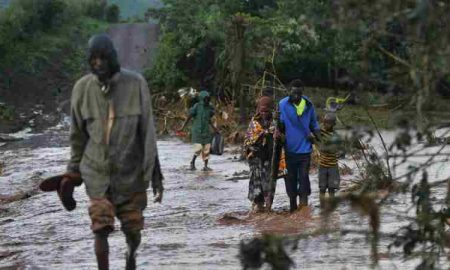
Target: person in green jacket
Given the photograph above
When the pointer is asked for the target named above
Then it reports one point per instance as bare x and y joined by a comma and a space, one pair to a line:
113, 149
201, 113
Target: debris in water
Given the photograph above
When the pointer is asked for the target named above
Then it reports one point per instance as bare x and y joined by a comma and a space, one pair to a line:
8, 138
4, 199
278, 222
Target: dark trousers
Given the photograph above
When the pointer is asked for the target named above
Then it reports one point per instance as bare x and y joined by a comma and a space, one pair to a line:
297, 181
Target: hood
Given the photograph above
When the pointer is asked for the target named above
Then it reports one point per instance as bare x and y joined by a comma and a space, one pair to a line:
202, 95
102, 45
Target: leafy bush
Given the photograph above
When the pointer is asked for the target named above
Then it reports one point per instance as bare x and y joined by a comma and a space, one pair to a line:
112, 13
27, 28
295, 35
96, 9
6, 112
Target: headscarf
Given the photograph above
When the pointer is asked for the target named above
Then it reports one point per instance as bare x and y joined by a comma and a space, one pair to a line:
265, 103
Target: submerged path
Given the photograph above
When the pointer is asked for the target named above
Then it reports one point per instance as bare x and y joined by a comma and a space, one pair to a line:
191, 229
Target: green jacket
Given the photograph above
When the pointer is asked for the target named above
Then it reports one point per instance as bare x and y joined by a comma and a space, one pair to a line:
112, 136
201, 116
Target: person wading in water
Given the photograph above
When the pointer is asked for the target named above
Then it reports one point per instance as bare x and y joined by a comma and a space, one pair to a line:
330, 148
113, 150
258, 146
298, 123
201, 113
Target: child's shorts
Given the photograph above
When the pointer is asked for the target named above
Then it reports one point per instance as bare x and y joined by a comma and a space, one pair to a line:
329, 177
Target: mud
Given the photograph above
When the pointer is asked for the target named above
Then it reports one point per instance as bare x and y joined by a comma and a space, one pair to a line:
199, 225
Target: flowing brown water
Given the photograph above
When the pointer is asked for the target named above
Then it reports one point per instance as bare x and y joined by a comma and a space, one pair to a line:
199, 225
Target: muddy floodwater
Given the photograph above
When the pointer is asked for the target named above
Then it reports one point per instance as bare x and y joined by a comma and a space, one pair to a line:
199, 225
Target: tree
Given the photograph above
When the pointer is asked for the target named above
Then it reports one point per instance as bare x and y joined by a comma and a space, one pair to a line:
112, 13
96, 9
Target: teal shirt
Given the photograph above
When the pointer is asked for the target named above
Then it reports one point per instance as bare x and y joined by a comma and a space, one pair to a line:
201, 115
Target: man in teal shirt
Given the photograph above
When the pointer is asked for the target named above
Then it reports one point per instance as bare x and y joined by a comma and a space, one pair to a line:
201, 113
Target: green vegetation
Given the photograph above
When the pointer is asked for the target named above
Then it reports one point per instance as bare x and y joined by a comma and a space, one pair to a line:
112, 14
6, 112
227, 46
36, 39
135, 8
32, 31
393, 55
294, 35
374, 104
4, 3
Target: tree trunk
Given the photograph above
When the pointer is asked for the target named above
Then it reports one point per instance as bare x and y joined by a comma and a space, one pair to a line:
237, 65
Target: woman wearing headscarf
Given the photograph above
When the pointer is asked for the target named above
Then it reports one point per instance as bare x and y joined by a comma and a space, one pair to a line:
259, 150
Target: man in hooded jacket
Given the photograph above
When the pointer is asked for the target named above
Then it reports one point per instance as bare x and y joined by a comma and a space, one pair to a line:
113, 148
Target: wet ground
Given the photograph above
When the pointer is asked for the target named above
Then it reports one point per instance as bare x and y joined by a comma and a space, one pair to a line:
199, 225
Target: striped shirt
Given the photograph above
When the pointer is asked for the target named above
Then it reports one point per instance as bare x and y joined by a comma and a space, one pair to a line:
326, 159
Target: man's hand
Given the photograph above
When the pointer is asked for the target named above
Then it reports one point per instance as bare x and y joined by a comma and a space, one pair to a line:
182, 126
311, 138
158, 196
316, 134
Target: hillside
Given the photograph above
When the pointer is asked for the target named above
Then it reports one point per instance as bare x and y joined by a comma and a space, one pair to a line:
35, 88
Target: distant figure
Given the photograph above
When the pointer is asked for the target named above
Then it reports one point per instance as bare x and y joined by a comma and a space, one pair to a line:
330, 147
113, 150
201, 113
298, 123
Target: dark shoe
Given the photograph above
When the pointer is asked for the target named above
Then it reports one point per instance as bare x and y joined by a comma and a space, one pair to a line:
292, 204
68, 184
331, 192
206, 169
192, 167
303, 201
65, 193
64, 185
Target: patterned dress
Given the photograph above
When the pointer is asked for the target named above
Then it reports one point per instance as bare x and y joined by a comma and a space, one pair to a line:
259, 147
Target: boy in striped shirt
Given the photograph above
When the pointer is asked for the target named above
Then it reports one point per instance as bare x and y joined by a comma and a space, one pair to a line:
329, 178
